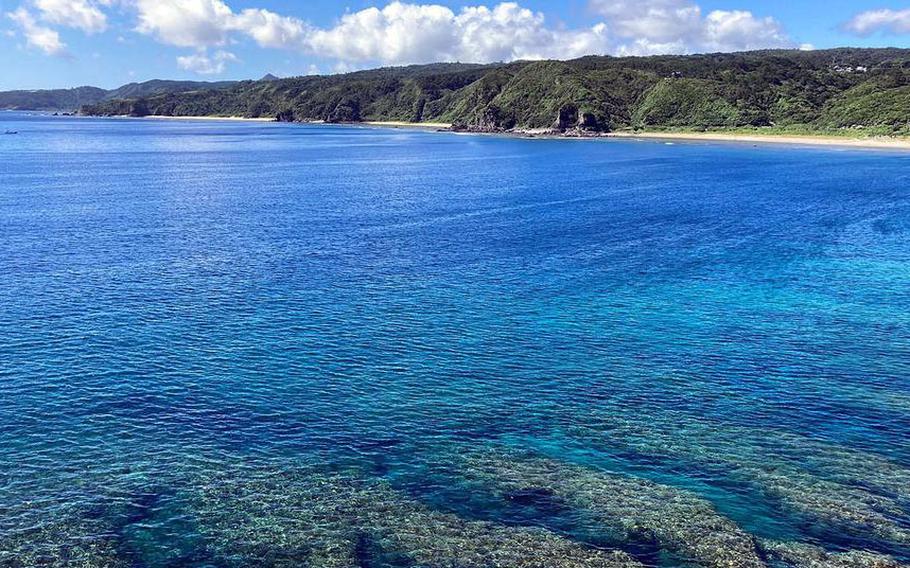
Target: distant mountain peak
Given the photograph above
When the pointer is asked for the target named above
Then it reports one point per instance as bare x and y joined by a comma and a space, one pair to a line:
270, 77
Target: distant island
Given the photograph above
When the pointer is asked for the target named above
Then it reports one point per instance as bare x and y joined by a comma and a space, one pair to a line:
857, 92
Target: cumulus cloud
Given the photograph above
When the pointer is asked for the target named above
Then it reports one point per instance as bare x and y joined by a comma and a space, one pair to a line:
884, 21
80, 14
209, 23
269, 29
645, 27
414, 33
185, 23
661, 22
206, 64
739, 30
397, 33
36, 35
401, 32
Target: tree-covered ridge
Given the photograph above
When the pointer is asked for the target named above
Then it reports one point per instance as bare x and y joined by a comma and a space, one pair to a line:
815, 90
50, 100
74, 99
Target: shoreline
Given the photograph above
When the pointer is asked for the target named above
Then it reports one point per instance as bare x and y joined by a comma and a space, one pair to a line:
782, 139
823, 140
180, 118
223, 118
403, 124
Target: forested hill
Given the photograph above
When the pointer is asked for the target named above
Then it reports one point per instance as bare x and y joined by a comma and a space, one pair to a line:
817, 90
74, 99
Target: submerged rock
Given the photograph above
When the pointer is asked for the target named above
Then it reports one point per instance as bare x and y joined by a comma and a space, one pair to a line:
837, 489
303, 518
798, 555
841, 508
69, 536
636, 509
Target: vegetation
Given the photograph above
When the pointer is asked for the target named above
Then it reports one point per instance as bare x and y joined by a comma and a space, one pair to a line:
59, 99
73, 99
842, 90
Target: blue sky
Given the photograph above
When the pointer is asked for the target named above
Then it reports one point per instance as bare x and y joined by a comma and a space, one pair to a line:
64, 43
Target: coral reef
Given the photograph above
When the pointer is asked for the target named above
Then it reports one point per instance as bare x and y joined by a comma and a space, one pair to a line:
304, 518
69, 538
636, 509
280, 513
797, 555
839, 490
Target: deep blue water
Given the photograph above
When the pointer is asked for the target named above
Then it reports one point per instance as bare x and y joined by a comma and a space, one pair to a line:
210, 332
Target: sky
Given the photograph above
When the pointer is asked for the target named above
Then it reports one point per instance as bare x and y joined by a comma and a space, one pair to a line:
107, 43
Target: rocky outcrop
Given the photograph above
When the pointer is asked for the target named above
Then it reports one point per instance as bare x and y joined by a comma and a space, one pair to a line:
491, 120
570, 118
348, 110
286, 115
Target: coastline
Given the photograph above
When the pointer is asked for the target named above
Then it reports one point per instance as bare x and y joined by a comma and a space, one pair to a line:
222, 118
785, 139
403, 124
871, 142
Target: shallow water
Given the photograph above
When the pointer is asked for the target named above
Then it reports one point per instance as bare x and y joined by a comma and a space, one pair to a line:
232, 344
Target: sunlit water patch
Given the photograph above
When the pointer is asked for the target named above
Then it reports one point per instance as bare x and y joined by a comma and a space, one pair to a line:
229, 344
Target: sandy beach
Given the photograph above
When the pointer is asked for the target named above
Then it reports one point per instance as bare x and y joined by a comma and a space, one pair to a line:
222, 118
872, 142
403, 124
810, 140
879, 142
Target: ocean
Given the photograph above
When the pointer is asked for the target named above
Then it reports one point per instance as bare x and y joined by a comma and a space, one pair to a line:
229, 344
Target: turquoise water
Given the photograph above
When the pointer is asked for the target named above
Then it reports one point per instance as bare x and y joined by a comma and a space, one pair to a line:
243, 344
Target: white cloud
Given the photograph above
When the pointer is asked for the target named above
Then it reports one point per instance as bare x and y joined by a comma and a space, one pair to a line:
36, 35
415, 33
208, 23
739, 30
186, 23
402, 33
509, 31
884, 21
84, 15
205, 64
80, 14
645, 27
269, 29
395, 34
654, 21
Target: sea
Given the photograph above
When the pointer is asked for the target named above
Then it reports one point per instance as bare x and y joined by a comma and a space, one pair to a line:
230, 344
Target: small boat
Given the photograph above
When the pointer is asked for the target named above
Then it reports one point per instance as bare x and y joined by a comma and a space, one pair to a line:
11, 132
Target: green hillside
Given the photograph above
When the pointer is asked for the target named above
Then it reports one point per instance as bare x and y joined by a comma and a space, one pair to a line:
811, 90
74, 99
51, 100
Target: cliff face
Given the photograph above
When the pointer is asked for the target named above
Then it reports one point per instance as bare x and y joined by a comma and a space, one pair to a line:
847, 88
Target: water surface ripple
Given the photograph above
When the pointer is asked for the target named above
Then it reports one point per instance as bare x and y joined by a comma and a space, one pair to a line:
244, 344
